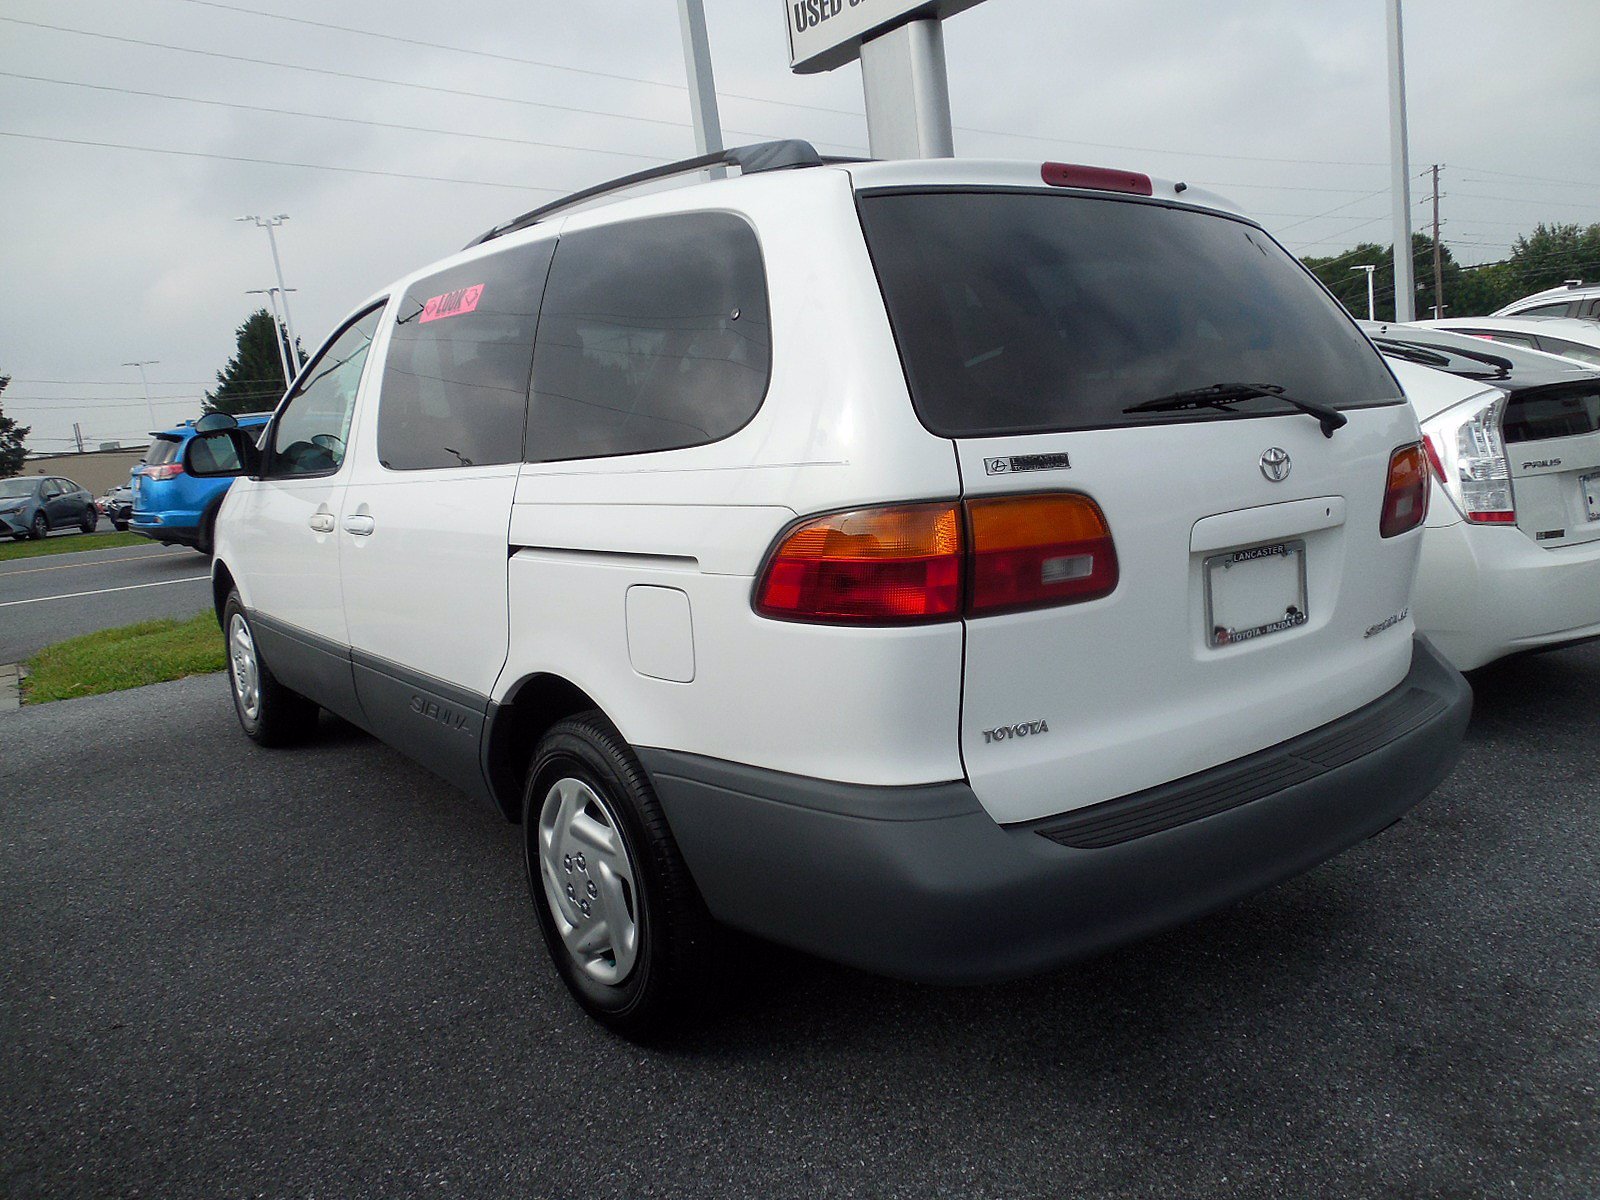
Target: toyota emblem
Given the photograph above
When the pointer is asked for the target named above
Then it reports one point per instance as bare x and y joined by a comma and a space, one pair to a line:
1275, 464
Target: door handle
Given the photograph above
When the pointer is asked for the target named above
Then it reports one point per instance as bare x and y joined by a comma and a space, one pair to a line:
322, 522
358, 524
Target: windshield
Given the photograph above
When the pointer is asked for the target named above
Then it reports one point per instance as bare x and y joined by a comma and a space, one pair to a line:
16, 489
1027, 312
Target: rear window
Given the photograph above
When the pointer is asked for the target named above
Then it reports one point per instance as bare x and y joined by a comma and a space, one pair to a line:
1567, 410
162, 450
1023, 312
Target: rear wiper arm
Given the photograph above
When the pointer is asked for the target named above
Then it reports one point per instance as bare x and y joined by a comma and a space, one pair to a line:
1220, 395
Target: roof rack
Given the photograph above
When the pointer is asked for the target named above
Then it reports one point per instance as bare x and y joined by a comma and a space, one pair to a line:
751, 160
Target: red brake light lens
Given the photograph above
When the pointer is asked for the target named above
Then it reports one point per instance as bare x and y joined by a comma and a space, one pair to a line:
164, 471
1038, 551
1102, 179
877, 566
1405, 498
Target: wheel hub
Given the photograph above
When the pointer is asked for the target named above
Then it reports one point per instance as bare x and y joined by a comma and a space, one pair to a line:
588, 880
243, 667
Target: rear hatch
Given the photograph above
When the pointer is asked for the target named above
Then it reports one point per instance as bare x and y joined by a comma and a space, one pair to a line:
1254, 597
1553, 448
164, 452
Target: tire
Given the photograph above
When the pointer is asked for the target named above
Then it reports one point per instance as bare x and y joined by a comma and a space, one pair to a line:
120, 526
91, 521
269, 713
582, 766
208, 528
40, 527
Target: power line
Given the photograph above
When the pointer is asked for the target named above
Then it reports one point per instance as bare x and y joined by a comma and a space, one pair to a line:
289, 112
1535, 178
1336, 208
277, 162
404, 83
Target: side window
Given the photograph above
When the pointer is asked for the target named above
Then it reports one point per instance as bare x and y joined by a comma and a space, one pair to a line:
1544, 310
1577, 350
654, 336
52, 489
455, 379
310, 434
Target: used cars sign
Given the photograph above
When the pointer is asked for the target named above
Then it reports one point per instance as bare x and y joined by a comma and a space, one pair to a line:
824, 34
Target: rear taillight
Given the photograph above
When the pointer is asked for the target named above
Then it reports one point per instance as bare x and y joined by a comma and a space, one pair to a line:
1468, 453
1037, 551
915, 563
873, 566
1405, 497
164, 471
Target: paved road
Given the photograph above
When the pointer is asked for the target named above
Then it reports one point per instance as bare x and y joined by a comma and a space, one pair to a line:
48, 599
228, 972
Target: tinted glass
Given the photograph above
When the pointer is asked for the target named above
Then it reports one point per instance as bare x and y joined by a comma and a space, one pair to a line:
1544, 310
1018, 312
654, 336
455, 380
1566, 410
313, 431
16, 489
1587, 354
162, 450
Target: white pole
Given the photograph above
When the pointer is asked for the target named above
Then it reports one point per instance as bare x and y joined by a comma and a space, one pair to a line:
702, 86
277, 331
908, 92
288, 321
1372, 311
1405, 288
148, 362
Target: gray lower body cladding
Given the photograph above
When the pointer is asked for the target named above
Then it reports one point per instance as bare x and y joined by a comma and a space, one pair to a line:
921, 883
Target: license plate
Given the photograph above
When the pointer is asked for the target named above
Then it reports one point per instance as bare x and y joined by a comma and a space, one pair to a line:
1255, 592
1591, 495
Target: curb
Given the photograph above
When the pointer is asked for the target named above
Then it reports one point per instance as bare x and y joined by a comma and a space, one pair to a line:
10, 686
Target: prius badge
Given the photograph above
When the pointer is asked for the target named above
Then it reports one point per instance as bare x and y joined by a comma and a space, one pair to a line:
1275, 464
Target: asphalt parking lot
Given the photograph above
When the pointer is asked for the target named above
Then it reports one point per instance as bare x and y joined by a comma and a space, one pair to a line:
227, 971
51, 598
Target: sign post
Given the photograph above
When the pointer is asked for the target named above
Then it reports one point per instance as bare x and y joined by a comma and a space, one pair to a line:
901, 47
702, 88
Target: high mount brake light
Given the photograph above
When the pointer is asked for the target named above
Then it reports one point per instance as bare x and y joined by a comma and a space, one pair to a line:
1101, 179
1405, 497
1468, 452
917, 563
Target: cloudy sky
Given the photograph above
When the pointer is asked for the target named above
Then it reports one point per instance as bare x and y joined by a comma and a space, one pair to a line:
132, 132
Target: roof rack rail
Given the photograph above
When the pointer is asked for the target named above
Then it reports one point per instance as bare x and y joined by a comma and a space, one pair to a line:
751, 160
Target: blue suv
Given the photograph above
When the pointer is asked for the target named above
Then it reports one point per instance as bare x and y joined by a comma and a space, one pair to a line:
179, 486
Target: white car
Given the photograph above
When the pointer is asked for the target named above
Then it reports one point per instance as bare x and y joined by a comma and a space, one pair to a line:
1511, 558
1570, 337
947, 568
1572, 299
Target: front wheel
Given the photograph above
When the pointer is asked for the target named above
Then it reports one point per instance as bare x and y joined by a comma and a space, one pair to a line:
41, 527
91, 521
621, 916
268, 712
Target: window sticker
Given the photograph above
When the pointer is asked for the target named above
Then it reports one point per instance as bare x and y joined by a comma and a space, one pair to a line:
451, 304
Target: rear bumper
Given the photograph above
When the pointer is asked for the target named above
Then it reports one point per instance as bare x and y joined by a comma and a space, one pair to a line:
165, 528
1484, 592
921, 883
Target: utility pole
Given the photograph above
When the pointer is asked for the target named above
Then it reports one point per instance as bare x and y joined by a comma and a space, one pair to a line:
269, 224
1438, 254
142, 364
277, 327
702, 87
77, 435
1405, 287
1372, 310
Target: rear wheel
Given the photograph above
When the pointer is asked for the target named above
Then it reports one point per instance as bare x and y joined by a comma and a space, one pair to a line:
40, 527
621, 916
268, 712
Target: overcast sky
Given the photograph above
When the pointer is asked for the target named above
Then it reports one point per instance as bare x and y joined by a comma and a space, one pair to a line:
111, 254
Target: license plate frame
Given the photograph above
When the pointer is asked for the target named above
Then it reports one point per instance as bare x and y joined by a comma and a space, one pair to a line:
1223, 593
1590, 486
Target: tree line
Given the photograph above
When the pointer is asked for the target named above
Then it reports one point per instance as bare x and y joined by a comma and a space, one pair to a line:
1545, 258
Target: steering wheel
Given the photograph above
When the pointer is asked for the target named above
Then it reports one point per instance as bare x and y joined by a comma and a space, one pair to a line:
330, 442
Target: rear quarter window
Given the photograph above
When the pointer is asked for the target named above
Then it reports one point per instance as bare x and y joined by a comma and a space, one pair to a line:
1021, 312
162, 450
654, 335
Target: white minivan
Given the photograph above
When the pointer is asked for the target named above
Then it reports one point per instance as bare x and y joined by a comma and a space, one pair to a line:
948, 568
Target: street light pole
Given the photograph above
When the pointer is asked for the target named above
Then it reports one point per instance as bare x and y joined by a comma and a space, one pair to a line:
1372, 312
1405, 287
702, 86
142, 364
270, 224
277, 328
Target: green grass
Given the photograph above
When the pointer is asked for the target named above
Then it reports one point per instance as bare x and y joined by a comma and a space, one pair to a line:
116, 659
69, 545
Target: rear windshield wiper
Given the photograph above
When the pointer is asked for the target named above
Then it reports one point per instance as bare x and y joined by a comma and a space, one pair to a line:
1501, 366
1220, 395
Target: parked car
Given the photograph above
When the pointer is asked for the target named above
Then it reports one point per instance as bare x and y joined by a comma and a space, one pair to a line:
1572, 299
117, 505
884, 561
179, 486
1569, 337
33, 505
1512, 561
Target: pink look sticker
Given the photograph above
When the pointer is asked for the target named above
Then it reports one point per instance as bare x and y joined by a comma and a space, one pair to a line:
452, 304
